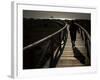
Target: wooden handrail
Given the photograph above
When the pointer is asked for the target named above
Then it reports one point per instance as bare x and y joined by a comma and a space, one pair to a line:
87, 34
45, 38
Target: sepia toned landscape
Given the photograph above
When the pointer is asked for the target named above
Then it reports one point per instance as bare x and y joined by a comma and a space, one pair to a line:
56, 39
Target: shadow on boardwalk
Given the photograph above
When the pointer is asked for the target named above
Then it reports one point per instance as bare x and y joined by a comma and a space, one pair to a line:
78, 55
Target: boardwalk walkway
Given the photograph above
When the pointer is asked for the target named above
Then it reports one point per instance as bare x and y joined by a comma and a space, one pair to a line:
76, 57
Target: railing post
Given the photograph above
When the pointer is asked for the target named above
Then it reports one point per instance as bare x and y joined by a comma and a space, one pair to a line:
51, 64
82, 35
61, 47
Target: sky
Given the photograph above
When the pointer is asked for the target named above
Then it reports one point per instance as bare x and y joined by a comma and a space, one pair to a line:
55, 15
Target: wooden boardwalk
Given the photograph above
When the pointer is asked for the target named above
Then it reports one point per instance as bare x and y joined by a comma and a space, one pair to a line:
70, 58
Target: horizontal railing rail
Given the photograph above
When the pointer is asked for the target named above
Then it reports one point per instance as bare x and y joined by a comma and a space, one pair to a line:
87, 34
45, 38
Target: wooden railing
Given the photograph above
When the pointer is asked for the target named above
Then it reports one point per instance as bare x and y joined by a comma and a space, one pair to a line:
49, 49
87, 38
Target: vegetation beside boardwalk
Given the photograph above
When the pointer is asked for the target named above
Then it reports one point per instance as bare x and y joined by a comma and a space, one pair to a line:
36, 29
